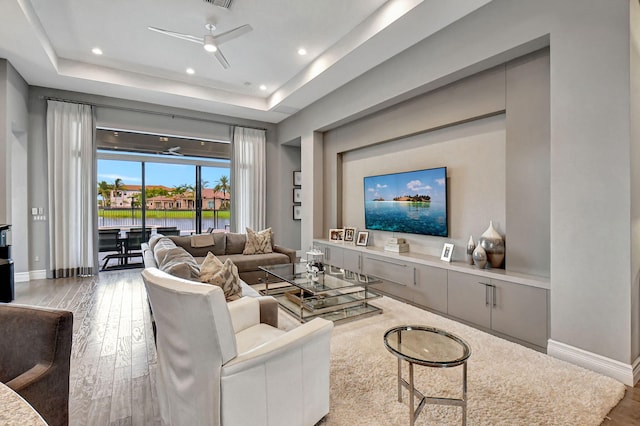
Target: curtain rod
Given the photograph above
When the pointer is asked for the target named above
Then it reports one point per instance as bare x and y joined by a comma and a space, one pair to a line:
166, 114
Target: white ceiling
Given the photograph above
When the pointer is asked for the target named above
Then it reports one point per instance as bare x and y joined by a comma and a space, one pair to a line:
50, 42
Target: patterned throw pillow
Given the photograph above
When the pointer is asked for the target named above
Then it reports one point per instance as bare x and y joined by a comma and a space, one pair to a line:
258, 242
224, 275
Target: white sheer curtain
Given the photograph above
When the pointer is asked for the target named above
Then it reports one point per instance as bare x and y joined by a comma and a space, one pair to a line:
249, 179
72, 187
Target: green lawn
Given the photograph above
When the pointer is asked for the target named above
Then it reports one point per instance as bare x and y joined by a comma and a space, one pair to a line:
161, 214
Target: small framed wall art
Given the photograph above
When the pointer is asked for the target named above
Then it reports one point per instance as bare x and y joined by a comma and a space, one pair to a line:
349, 235
447, 252
363, 238
297, 212
297, 178
336, 235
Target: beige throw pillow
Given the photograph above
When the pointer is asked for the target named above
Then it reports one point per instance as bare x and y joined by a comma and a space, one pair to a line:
258, 242
224, 275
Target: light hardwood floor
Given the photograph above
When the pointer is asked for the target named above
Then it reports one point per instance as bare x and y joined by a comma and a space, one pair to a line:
113, 358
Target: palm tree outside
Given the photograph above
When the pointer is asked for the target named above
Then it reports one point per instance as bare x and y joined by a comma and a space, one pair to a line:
222, 185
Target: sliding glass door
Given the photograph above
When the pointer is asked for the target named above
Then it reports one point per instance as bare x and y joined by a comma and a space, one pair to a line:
181, 197
170, 197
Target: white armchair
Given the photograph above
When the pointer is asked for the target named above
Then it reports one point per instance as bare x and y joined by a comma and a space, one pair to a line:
218, 365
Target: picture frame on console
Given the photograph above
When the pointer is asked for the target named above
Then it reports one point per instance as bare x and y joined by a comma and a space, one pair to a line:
447, 252
349, 235
336, 235
363, 238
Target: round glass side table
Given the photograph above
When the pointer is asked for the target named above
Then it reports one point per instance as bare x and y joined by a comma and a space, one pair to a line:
430, 347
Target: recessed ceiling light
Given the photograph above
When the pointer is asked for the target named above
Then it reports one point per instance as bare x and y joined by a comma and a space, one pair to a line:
190, 71
302, 51
96, 51
164, 139
115, 134
263, 87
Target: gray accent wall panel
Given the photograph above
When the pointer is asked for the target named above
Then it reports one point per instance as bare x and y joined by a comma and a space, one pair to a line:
528, 165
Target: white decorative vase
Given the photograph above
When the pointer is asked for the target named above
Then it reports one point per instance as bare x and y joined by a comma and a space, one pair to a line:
471, 246
493, 244
480, 257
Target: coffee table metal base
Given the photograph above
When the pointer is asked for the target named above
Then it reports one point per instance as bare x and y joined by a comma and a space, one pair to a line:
413, 392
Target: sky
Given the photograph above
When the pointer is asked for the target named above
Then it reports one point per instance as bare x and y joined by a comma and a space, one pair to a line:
430, 182
170, 175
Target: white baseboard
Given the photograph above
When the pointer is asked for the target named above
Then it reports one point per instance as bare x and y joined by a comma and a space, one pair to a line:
38, 275
625, 373
21, 277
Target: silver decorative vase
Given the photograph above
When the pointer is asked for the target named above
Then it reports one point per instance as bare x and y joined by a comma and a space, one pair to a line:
471, 246
480, 257
493, 243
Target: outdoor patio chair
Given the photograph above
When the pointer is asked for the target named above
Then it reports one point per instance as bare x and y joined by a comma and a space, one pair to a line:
170, 230
135, 239
108, 242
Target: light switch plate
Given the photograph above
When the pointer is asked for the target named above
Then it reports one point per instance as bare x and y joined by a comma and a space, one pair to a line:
34, 211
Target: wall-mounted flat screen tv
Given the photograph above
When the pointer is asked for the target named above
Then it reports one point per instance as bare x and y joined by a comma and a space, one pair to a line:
411, 202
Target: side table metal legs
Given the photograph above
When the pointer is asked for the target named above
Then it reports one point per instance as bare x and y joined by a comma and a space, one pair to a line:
413, 392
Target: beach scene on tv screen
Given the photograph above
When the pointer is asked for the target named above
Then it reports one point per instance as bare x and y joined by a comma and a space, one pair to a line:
411, 202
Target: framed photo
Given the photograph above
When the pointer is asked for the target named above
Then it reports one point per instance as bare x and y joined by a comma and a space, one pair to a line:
336, 235
297, 195
297, 178
363, 238
297, 212
447, 252
349, 235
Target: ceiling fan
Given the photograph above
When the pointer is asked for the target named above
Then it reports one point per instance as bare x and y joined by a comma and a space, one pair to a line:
174, 150
210, 42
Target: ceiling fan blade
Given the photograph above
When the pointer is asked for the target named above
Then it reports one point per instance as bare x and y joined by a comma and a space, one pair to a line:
223, 61
231, 34
181, 36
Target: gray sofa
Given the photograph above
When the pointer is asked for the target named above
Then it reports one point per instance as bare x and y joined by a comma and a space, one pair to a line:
231, 246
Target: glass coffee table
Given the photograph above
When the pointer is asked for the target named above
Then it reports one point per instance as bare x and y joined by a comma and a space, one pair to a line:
430, 347
335, 294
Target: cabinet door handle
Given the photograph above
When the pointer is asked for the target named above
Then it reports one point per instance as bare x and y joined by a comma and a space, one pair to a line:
486, 294
390, 263
360, 263
415, 281
493, 292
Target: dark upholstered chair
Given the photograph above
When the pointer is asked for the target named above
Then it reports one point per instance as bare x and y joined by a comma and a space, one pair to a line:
35, 353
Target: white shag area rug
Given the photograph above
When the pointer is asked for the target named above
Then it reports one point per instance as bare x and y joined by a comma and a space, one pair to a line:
508, 384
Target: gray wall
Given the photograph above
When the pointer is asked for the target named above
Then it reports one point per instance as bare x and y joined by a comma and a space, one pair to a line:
592, 273
528, 165
474, 154
635, 181
491, 176
14, 93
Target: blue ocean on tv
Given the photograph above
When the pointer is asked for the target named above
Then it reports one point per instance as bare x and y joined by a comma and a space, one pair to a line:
409, 202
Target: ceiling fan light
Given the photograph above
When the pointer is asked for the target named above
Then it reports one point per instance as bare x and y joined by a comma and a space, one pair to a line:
209, 44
